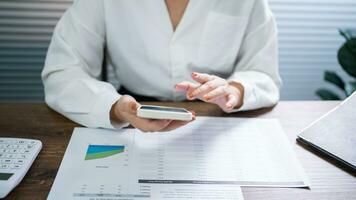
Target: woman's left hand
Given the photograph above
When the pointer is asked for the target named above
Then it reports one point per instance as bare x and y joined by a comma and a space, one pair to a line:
213, 89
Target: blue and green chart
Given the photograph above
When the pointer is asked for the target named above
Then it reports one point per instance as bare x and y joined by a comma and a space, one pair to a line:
103, 151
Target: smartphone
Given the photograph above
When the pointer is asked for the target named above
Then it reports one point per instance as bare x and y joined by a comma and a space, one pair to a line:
161, 112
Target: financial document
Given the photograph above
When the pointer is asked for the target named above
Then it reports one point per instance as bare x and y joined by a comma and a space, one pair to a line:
208, 159
245, 152
97, 166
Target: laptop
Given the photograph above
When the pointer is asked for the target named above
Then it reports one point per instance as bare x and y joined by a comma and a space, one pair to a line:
335, 133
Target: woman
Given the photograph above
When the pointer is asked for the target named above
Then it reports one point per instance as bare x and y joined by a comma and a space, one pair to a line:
222, 52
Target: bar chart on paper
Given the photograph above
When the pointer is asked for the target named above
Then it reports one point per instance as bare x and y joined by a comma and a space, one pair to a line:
102, 162
99, 164
103, 151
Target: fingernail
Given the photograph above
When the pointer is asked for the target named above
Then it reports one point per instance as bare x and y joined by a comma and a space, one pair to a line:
207, 98
229, 105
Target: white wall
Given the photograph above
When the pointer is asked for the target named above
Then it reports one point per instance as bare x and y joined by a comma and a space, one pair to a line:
309, 40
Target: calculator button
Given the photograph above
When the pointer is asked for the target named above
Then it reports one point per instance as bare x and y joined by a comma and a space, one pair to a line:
29, 146
6, 161
14, 151
33, 142
22, 156
15, 166
25, 151
10, 156
11, 142
19, 161
21, 142
2, 141
4, 166
2, 155
2, 151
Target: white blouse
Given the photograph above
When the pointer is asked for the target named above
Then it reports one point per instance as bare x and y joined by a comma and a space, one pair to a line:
236, 40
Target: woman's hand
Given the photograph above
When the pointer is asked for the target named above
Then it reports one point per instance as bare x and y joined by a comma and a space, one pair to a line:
213, 89
124, 111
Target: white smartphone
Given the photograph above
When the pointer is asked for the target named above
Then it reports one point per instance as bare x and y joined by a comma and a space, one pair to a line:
161, 112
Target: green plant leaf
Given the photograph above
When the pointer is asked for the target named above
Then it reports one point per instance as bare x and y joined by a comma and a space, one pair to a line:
344, 33
347, 57
334, 78
351, 44
350, 35
326, 94
350, 88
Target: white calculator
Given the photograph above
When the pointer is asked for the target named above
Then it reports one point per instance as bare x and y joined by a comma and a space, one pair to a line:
16, 157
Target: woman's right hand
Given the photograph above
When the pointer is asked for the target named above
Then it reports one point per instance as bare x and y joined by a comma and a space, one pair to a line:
125, 109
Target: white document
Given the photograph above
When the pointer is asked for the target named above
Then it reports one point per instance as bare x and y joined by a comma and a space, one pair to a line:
196, 192
208, 159
230, 151
97, 166
107, 177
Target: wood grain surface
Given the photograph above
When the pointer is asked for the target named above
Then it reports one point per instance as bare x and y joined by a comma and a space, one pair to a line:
329, 179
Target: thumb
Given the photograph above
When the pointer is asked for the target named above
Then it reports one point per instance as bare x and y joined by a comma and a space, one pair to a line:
129, 104
133, 106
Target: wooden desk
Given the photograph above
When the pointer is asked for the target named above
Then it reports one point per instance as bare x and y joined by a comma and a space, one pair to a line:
329, 181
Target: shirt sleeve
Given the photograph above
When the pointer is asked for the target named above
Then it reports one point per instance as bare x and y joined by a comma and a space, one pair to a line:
73, 67
257, 65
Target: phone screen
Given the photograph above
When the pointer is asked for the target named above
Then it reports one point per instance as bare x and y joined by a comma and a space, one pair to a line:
181, 110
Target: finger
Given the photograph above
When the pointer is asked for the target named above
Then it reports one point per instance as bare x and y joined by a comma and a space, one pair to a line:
137, 122
144, 123
231, 101
207, 87
156, 124
216, 93
185, 86
150, 125
177, 124
129, 104
202, 78
174, 125
133, 106
167, 124
194, 114
219, 100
